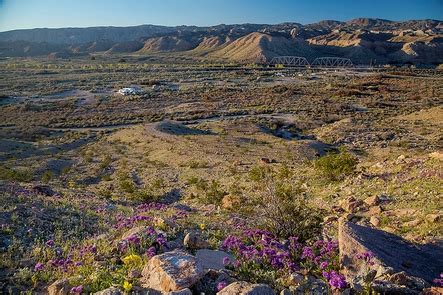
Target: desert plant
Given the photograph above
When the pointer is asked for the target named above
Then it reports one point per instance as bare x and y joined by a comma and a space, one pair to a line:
335, 166
21, 175
47, 176
285, 212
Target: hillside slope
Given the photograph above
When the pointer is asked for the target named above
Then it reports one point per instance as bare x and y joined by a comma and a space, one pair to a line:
363, 40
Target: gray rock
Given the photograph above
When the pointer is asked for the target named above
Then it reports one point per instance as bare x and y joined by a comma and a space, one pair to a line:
181, 292
59, 287
194, 241
171, 271
212, 259
245, 288
44, 190
110, 291
390, 252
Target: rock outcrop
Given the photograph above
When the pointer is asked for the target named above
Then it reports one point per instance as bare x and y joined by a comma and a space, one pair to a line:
172, 271
393, 259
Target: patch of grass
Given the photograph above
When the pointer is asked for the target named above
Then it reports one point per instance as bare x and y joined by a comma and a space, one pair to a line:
335, 167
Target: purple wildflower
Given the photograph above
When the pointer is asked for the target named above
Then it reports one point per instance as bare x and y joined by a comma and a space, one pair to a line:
39, 266
221, 285
324, 264
226, 261
77, 290
133, 239
335, 279
307, 253
50, 243
366, 257
151, 252
439, 281
161, 240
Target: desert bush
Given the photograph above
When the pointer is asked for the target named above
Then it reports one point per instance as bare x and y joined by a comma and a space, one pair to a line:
258, 173
285, 212
335, 166
208, 192
47, 176
107, 160
126, 183
21, 175
194, 164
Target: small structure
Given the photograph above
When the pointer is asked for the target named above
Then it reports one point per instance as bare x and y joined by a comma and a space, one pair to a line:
165, 87
130, 91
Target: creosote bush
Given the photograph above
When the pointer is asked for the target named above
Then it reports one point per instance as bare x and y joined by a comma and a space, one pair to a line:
335, 166
286, 212
282, 205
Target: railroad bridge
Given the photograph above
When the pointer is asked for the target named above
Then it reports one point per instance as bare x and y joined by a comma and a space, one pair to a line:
320, 62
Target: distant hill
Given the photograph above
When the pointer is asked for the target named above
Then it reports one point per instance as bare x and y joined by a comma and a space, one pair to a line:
361, 39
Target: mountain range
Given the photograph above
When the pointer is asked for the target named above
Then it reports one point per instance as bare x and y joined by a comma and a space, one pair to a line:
363, 40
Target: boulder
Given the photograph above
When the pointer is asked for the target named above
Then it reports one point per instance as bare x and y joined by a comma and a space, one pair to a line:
412, 223
433, 218
384, 287
110, 291
172, 271
59, 287
375, 221
373, 201
330, 219
44, 190
186, 291
351, 204
209, 283
391, 254
312, 286
296, 279
245, 288
375, 210
432, 291
193, 241
212, 259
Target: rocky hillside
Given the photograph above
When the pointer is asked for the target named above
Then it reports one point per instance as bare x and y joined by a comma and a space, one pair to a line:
363, 40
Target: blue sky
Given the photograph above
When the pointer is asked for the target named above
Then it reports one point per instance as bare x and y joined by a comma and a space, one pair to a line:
18, 14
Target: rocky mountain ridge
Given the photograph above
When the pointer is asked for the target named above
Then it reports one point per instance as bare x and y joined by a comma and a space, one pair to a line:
363, 40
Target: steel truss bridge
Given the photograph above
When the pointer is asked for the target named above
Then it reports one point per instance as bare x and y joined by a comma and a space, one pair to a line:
320, 62
292, 61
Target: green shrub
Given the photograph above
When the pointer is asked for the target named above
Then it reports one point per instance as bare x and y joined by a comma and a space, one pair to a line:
335, 167
285, 211
127, 185
20, 174
209, 192
47, 176
258, 173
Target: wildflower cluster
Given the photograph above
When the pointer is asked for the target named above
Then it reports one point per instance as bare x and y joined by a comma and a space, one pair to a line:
335, 280
149, 241
257, 250
366, 257
439, 281
128, 222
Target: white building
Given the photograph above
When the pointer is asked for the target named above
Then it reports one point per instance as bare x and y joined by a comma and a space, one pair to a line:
130, 91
